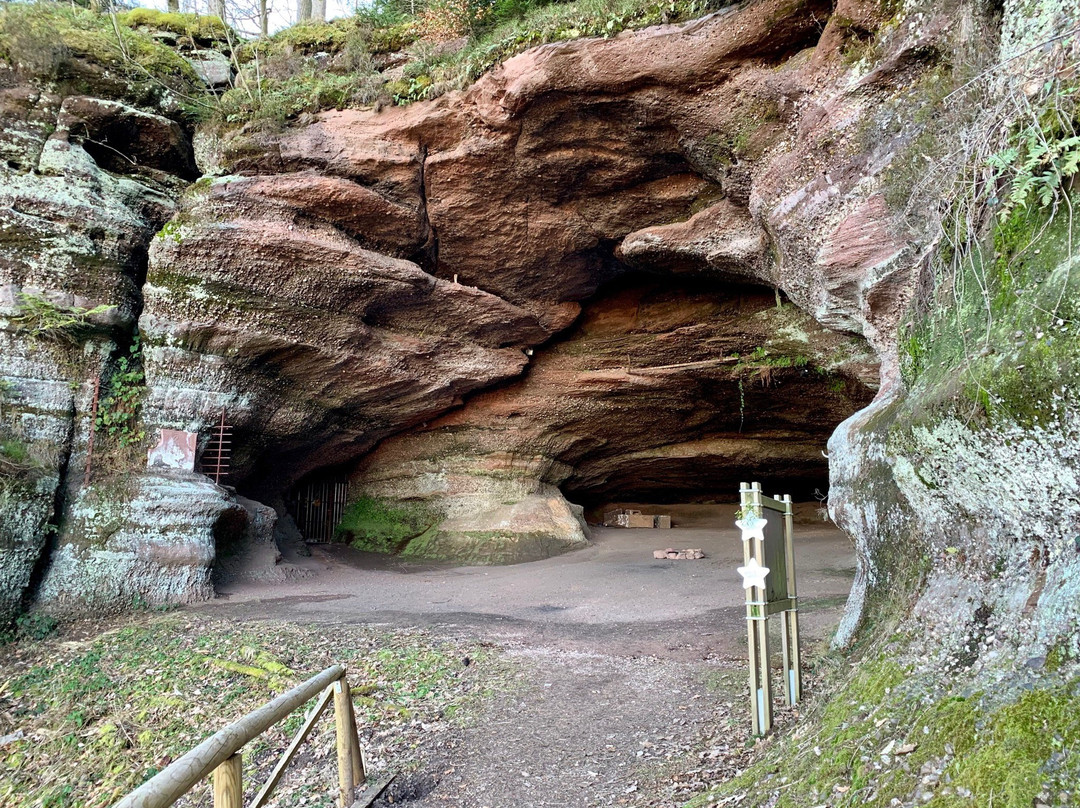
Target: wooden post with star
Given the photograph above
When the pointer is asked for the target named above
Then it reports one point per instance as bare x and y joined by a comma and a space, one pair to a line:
768, 574
789, 617
757, 616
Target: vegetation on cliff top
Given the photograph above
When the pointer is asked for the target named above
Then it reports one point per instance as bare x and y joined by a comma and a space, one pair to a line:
89, 52
389, 54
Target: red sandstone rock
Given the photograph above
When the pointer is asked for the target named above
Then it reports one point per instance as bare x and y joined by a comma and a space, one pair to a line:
701, 148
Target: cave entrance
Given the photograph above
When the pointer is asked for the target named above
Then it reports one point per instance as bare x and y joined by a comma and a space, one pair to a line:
676, 390
318, 503
664, 396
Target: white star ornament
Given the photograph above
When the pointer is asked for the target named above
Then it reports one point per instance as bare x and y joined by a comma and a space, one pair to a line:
753, 574
752, 527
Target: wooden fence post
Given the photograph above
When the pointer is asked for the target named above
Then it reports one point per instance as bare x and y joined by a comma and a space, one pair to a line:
343, 725
359, 767
229, 783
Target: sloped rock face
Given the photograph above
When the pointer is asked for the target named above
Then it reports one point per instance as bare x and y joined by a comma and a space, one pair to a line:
415, 252
343, 347
959, 483
84, 183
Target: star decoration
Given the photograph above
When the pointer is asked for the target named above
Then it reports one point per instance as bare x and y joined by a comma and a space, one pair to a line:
753, 574
752, 527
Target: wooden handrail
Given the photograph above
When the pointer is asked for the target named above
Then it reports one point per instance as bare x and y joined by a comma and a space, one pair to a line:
183, 774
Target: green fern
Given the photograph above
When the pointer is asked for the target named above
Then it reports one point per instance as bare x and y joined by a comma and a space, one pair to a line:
1040, 168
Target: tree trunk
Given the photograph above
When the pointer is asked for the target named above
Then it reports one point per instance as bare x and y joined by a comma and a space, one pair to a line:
264, 14
318, 10
174, 6
218, 7
303, 10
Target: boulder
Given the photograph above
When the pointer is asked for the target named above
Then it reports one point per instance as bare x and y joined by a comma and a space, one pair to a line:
138, 540
212, 67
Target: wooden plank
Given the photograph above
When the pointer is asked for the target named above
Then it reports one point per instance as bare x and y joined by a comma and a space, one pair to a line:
228, 783
177, 779
286, 758
373, 793
342, 711
359, 768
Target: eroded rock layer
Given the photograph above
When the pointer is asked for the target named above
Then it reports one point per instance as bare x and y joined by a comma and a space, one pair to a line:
359, 275
362, 274
73, 233
661, 392
449, 302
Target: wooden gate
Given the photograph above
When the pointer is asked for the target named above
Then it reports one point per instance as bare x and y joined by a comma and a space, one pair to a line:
318, 505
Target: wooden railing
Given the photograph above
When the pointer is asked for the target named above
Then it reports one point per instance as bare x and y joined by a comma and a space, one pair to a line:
220, 753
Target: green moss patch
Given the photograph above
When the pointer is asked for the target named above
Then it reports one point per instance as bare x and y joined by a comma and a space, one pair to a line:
1006, 347
201, 29
1024, 753
385, 526
886, 733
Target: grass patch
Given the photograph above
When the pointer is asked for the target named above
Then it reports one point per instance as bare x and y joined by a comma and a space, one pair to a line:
283, 78
883, 733
101, 715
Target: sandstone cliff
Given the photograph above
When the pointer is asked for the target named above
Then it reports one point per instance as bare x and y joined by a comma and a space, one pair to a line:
717, 230
417, 252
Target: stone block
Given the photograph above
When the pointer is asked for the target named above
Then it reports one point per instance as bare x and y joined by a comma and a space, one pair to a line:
212, 67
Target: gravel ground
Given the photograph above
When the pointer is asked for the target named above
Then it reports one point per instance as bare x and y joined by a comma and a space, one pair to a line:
592, 730
628, 684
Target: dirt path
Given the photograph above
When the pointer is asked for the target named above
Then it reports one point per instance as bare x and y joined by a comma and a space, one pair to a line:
630, 676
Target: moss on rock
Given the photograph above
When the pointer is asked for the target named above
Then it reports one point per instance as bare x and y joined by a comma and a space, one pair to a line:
88, 52
385, 526
885, 733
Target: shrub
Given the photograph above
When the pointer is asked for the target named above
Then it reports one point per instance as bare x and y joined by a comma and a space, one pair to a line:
41, 319
35, 626
118, 413
281, 79
444, 20
268, 105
